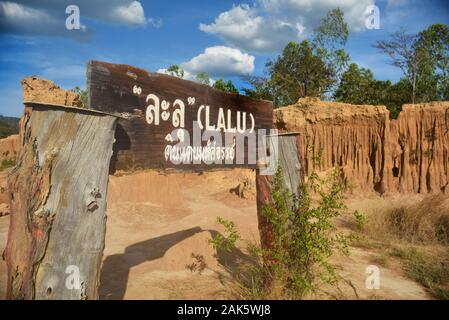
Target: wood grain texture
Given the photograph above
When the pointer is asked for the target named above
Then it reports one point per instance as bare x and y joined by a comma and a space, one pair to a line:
141, 145
289, 159
58, 203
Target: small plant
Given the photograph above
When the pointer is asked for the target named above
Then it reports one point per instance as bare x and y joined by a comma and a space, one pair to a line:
7, 163
198, 265
316, 158
227, 242
361, 219
304, 239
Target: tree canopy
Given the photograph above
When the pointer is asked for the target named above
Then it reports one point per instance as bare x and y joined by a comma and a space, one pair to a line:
226, 86
320, 67
310, 68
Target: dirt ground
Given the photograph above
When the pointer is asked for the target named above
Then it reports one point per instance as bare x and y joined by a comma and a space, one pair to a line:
156, 222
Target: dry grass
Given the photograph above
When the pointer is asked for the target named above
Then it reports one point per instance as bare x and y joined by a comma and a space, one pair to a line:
416, 232
429, 267
424, 222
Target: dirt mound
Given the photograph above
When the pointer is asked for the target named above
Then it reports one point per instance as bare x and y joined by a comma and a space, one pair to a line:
9, 149
410, 154
38, 90
9, 146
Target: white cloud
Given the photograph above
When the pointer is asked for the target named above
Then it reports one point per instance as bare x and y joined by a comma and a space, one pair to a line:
21, 19
311, 12
221, 61
243, 27
14, 10
132, 14
271, 24
47, 17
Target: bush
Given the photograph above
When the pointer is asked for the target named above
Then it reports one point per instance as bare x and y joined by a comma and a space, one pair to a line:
424, 223
304, 240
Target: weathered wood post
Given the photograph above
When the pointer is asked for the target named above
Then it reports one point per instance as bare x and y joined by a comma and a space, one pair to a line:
284, 150
58, 203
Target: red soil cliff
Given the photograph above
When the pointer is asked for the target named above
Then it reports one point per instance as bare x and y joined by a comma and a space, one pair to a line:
410, 154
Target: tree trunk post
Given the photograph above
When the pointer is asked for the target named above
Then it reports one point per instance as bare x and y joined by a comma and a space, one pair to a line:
284, 151
57, 196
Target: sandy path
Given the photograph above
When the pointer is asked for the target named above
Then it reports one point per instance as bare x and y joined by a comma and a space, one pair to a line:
150, 244
155, 224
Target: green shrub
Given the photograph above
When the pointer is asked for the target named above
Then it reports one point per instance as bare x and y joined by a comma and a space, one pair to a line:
304, 240
227, 242
7, 163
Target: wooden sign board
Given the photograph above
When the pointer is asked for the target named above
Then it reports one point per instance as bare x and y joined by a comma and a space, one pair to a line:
160, 106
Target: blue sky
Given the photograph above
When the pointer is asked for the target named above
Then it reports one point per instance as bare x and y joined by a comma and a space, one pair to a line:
224, 38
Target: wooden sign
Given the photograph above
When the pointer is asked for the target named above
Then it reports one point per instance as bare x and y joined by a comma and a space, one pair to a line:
175, 123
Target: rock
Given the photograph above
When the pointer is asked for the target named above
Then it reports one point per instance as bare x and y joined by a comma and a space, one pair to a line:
246, 187
377, 154
4, 209
9, 147
38, 90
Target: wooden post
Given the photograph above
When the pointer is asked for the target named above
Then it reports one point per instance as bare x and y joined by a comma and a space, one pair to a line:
287, 152
58, 203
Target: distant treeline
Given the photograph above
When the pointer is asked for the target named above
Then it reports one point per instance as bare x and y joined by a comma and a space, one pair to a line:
321, 67
8, 126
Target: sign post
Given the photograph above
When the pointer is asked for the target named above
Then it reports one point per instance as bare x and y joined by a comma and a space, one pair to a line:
58, 192
177, 124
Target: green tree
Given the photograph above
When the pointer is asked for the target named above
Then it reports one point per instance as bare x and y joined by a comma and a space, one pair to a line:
329, 40
260, 89
176, 71
332, 33
355, 86
203, 78
434, 42
227, 86
405, 53
398, 95
83, 95
310, 68
358, 86
423, 59
298, 72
